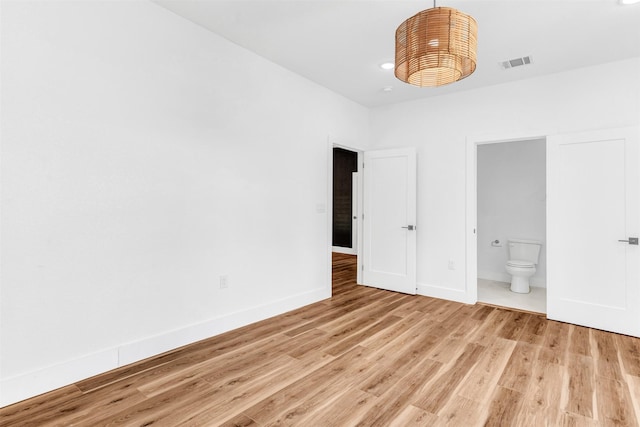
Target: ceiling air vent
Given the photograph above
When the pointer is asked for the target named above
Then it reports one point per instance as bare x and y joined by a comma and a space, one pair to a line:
516, 62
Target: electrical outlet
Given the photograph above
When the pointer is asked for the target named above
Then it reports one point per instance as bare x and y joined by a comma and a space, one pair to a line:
452, 265
224, 281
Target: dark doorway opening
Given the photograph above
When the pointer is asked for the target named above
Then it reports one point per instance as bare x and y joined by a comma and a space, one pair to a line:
345, 163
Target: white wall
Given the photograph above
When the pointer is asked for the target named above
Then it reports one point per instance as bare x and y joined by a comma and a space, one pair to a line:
511, 182
142, 158
440, 127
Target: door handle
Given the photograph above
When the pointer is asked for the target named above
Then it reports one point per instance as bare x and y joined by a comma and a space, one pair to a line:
411, 227
631, 241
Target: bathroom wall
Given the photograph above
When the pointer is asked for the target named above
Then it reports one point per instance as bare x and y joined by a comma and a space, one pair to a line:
511, 203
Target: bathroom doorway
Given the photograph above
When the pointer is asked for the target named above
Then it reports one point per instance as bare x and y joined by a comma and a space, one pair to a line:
511, 204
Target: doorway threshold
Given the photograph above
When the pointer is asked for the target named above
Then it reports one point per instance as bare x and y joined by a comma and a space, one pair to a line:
498, 294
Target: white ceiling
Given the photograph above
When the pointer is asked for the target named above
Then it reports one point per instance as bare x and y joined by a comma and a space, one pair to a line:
340, 44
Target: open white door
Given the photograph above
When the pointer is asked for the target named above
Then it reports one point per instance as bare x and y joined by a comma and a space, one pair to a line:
592, 213
389, 237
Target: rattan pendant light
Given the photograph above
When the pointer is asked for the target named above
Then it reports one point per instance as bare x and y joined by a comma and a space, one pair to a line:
436, 47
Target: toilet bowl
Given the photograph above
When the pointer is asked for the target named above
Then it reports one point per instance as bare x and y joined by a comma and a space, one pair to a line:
520, 272
523, 257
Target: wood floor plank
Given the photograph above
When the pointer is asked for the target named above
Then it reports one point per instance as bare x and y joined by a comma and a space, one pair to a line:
580, 342
462, 323
629, 349
412, 416
43, 407
542, 401
518, 372
363, 332
415, 321
483, 378
572, 420
364, 315
398, 396
483, 312
486, 333
240, 421
331, 315
416, 303
504, 408
344, 409
446, 349
397, 364
614, 403
316, 398
425, 330
97, 405
535, 330
581, 385
278, 405
157, 409
310, 341
555, 343
236, 395
461, 412
605, 352
443, 310
633, 385
514, 326
436, 396
366, 356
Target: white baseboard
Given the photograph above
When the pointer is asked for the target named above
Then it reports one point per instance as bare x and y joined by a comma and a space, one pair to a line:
444, 293
21, 387
538, 282
24, 386
341, 250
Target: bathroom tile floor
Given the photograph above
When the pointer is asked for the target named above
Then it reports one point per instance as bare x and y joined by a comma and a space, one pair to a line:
498, 293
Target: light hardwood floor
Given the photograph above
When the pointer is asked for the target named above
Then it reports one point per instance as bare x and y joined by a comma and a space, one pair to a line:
367, 357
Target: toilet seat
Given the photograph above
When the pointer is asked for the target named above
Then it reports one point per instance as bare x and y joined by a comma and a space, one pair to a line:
520, 264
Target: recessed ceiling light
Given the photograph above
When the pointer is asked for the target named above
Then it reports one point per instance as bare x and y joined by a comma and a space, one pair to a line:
629, 1
387, 66
387, 88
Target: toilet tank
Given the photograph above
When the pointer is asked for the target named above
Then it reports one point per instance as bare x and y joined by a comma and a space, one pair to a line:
524, 250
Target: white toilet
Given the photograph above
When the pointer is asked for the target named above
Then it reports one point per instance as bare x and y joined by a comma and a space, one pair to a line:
523, 257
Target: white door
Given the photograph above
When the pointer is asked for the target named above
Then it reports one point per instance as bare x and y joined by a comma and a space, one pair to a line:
592, 207
389, 237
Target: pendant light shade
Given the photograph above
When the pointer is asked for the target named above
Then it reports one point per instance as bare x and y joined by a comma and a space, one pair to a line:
436, 47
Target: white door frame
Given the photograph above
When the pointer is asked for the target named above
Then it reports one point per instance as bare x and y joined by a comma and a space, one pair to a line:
332, 143
471, 262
